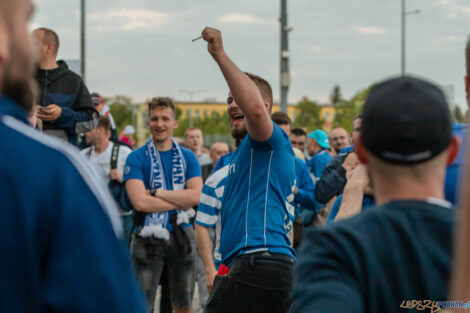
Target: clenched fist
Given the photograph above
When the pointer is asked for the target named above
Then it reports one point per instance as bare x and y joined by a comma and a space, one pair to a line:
214, 41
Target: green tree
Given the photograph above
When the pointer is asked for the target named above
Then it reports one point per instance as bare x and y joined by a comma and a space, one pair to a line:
216, 124
121, 108
458, 115
308, 115
336, 98
347, 110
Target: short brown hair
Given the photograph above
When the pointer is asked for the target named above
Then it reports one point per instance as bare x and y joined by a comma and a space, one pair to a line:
191, 129
104, 122
281, 118
162, 102
263, 86
50, 36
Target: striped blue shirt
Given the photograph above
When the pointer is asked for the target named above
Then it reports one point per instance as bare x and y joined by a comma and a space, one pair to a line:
210, 204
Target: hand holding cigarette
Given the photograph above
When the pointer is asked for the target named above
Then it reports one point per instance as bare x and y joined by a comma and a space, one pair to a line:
214, 41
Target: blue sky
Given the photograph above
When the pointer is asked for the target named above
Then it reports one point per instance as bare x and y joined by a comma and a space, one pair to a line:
143, 48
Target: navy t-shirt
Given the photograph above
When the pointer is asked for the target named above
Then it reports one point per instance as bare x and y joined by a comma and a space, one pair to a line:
373, 261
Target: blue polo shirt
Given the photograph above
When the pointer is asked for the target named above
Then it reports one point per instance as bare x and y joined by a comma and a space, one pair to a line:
305, 203
258, 209
138, 167
318, 162
453, 170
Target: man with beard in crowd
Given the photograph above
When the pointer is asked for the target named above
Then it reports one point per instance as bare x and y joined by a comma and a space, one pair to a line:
257, 209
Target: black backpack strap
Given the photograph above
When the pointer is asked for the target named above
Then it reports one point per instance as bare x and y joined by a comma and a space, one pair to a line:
114, 156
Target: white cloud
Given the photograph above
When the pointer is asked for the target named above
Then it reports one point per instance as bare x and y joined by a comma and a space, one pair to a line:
369, 30
130, 19
242, 18
316, 48
442, 2
450, 38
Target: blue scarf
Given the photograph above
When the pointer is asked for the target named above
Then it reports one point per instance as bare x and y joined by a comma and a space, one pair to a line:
156, 224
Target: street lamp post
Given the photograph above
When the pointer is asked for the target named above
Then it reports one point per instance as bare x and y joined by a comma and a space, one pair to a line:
82, 38
284, 54
403, 34
191, 93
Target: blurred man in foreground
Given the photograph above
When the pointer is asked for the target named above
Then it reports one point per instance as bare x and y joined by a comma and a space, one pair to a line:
407, 169
60, 248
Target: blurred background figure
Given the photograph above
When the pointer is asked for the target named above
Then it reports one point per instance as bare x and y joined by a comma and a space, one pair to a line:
194, 141
103, 110
127, 134
66, 108
339, 139
110, 158
217, 150
317, 148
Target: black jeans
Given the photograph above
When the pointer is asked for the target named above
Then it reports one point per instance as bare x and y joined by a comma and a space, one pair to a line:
256, 283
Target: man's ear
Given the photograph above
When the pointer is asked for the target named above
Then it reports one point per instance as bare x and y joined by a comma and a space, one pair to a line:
50, 48
453, 149
361, 151
267, 104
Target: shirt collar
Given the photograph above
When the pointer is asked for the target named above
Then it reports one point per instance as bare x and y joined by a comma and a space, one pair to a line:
9, 107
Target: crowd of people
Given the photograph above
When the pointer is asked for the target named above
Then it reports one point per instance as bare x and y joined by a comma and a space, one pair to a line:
288, 220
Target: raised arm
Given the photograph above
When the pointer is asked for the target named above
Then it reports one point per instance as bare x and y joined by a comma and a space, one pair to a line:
144, 202
243, 89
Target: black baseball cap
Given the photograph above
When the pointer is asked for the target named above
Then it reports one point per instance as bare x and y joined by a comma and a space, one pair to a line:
406, 120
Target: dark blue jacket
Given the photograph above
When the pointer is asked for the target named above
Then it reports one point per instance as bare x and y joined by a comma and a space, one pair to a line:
332, 180
63, 87
59, 228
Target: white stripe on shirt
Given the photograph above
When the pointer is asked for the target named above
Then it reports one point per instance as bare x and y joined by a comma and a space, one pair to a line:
94, 181
248, 200
210, 201
266, 199
206, 218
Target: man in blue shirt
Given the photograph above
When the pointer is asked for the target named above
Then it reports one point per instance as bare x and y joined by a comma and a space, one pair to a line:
304, 200
400, 250
318, 146
163, 180
257, 208
60, 227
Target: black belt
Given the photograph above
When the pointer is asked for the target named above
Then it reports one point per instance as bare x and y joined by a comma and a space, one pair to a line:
265, 256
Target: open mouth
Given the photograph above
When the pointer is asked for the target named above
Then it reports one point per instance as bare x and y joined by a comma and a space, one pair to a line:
237, 116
